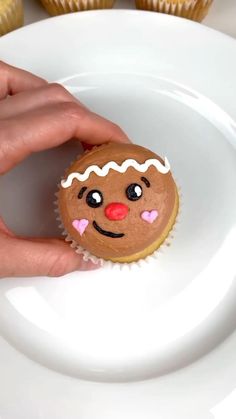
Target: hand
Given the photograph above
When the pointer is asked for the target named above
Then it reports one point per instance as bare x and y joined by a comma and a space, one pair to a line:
36, 116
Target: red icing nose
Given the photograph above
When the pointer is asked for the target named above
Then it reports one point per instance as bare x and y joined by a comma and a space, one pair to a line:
116, 211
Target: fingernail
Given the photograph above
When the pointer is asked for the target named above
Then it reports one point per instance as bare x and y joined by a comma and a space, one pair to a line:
87, 146
127, 140
89, 265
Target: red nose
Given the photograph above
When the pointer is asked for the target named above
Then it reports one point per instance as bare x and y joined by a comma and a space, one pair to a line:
116, 211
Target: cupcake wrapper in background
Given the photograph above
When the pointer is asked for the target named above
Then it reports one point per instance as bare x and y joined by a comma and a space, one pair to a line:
189, 9
58, 7
11, 15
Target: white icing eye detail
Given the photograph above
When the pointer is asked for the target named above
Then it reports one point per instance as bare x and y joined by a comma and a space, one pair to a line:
97, 197
94, 198
138, 190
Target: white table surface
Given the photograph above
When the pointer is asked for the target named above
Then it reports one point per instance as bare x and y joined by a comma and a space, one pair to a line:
222, 15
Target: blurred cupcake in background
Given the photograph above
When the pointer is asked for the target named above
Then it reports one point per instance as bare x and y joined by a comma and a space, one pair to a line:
59, 7
189, 9
11, 15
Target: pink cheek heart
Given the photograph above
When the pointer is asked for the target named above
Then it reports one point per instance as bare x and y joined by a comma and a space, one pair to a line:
149, 216
80, 225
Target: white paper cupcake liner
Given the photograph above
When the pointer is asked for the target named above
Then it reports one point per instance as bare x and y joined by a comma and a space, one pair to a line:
11, 16
190, 9
87, 256
56, 7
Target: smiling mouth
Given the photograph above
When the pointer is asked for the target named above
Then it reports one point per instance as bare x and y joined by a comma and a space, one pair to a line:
107, 233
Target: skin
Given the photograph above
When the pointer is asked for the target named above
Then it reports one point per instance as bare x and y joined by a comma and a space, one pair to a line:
35, 116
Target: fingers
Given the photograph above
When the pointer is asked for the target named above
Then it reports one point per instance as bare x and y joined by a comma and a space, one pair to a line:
28, 100
49, 127
40, 116
4, 229
14, 80
27, 258
37, 257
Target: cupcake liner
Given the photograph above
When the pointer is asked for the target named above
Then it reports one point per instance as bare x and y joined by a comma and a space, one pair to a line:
58, 7
189, 9
87, 256
11, 15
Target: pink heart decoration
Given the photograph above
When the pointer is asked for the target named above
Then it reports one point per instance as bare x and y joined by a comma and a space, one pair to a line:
149, 216
80, 225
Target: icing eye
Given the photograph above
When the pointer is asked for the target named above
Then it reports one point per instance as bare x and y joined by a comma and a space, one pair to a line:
134, 192
94, 198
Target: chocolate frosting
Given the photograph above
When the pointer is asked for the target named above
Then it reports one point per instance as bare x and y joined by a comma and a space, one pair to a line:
133, 233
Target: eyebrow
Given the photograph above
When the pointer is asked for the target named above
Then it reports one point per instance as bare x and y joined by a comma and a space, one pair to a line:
81, 192
146, 181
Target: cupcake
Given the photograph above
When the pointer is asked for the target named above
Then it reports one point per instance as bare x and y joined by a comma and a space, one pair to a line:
118, 202
190, 9
59, 7
11, 15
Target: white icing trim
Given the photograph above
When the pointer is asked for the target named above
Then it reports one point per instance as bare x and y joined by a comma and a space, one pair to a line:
119, 168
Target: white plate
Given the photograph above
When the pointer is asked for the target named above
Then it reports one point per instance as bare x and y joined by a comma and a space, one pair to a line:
168, 82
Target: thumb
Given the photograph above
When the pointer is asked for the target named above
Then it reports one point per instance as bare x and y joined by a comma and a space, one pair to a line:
39, 257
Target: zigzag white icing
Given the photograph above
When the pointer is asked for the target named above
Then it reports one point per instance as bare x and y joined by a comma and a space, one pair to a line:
119, 168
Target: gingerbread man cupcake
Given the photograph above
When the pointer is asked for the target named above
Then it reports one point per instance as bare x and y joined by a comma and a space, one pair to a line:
119, 202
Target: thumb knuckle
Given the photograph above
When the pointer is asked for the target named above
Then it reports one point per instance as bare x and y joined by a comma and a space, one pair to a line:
59, 265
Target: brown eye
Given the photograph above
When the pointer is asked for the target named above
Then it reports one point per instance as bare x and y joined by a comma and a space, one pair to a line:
134, 192
94, 198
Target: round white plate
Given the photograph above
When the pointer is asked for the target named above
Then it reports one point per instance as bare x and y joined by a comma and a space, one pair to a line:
115, 342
